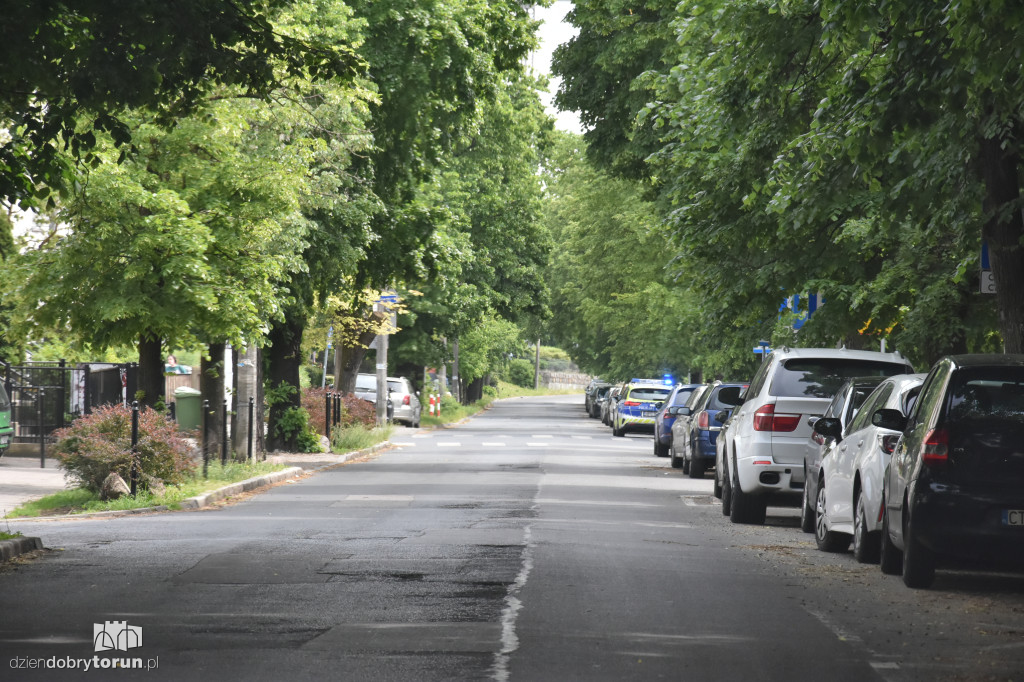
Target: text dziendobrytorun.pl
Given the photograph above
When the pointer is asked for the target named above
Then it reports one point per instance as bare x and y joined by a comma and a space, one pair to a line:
94, 663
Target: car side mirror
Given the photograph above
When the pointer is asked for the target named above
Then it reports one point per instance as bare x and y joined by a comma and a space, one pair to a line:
722, 416
684, 411
830, 427
889, 419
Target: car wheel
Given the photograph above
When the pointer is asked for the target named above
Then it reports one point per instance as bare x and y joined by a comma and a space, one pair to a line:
918, 561
617, 432
827, 541
806, 513
677, 461
717, 492
726, 494
890, 558
696, 468
746, 508
865, 543
661, 450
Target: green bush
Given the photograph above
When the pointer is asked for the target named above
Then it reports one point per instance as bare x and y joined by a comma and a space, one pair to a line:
490, 391
100, 443
520, 372
294, 425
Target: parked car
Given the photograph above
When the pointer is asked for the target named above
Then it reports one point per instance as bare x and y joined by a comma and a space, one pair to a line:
683, 416
664, 419
590, 394
849, 488
826, 431
608, 405
405, 401
6, 430
765, 444
696, 445
637, 406
600, 395
955, 484
366, 388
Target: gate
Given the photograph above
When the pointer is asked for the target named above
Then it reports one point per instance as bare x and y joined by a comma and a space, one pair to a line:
46, 396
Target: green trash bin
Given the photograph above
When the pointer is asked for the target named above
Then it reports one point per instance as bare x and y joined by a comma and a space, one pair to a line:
188, 408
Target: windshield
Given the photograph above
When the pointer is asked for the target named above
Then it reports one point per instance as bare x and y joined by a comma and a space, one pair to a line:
822, 377
5, 403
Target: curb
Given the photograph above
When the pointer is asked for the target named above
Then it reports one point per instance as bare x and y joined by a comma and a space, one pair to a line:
18, 546
248, 485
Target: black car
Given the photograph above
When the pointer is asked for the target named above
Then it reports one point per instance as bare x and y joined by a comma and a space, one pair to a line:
955, 485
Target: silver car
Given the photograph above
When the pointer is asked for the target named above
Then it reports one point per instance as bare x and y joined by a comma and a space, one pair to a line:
769, 432
403, 401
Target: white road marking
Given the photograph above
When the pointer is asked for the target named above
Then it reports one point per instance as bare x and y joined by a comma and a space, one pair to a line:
493, 445
449, 443
542, 435
380, 498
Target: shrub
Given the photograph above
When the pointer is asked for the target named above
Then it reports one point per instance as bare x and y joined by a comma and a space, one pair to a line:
353, 410
520, 372
294, 425
100, 443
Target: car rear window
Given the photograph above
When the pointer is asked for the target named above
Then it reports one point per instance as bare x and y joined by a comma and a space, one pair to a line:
990, 392
682, 396
396, 386
366, 382
649, 394
822, 377
731, 393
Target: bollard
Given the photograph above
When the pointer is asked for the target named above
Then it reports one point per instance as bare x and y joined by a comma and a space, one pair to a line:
248, 440
206, 449
327, 415
439, 406
133, 472
224, 435
431, 401
337, 409
40, 398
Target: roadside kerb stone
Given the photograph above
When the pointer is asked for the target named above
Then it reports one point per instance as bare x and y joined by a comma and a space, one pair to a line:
18, 546
248, 485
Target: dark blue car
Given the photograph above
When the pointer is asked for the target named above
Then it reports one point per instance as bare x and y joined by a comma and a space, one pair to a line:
663, 420
695, 447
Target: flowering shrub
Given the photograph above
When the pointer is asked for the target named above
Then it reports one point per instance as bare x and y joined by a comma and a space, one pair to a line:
100, 443
353, 410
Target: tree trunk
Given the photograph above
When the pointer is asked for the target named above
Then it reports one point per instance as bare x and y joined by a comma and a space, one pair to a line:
284, 362
1004, 230
151, 371
474, 391
211, 385
351, 359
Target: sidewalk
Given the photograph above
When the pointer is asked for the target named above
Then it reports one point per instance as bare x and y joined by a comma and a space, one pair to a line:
22, 480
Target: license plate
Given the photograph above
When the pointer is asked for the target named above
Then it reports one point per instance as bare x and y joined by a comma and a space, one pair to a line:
648, 414
1013, 517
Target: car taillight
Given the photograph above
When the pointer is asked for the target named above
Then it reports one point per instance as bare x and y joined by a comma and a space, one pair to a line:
703, 420
888, 442
935, 449
765, 419
405, 399
630, 403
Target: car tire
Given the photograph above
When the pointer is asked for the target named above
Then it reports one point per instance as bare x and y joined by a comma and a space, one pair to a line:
659, 449
866, 544
617, 432
717, 491
677, 461
806, 513
890, 558
726, 494
827, 541
918, 561
696, 468
744, 507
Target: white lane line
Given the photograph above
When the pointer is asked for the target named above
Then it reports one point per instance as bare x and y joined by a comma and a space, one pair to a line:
542, 435
449, 443
531, 444
582, 437
380, 498
492, 445
402, 445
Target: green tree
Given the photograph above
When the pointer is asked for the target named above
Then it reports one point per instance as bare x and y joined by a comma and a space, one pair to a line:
72, 70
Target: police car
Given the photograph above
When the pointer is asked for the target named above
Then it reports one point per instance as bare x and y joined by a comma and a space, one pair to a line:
638, 404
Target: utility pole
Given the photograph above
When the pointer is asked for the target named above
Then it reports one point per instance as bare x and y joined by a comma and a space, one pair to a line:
536, 367
457, 392
246, 389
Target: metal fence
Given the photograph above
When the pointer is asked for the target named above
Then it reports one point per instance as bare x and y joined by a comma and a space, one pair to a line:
46, 396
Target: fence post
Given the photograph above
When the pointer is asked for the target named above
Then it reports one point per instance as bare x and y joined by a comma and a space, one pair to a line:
248, 445
133, 473
224, 435
87, 378
62, 393
41, 413
204, 444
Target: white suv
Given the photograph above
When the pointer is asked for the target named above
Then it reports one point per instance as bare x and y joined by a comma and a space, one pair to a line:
768, 431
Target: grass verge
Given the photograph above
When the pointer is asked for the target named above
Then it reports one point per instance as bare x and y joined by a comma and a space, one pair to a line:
9, 536
80, 500
358, 437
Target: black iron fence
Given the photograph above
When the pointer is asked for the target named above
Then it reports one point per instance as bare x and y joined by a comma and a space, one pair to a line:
46, 396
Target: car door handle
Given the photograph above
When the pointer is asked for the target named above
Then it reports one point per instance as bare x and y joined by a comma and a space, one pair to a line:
860, 442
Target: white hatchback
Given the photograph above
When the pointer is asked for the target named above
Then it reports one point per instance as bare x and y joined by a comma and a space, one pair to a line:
849, 498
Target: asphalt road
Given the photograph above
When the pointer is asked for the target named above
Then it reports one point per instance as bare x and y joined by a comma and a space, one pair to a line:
526, 544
